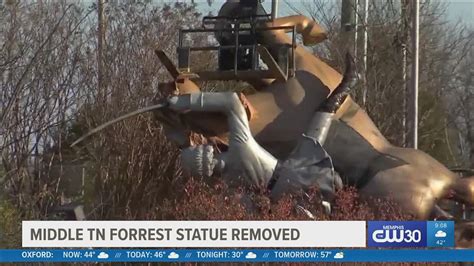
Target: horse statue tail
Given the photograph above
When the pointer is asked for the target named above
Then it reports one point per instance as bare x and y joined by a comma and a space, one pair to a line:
340, 93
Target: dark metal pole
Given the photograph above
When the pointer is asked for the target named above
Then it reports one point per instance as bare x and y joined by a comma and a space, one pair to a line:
236, 50
274, 9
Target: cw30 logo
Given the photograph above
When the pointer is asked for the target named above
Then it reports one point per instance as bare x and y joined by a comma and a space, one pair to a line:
396, 234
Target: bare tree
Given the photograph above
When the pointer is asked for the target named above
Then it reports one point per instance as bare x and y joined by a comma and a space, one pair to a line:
49, 79
461, 93
38, 63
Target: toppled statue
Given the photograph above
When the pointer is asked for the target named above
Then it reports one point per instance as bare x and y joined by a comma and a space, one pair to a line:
308, 165
280, 111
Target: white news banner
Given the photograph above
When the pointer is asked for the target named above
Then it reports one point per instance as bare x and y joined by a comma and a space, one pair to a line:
194, 234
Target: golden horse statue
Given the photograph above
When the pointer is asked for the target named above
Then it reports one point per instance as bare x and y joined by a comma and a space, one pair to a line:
280, 109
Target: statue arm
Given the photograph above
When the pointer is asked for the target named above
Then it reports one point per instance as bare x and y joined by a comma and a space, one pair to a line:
224, 102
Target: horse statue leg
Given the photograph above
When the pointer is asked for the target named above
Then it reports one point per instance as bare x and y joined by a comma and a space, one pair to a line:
463, 190
411, 178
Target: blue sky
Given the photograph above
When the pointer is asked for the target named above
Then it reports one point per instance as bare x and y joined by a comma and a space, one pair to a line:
456, 9
463, 10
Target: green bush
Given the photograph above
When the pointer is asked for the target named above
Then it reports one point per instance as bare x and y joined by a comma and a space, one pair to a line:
10, 226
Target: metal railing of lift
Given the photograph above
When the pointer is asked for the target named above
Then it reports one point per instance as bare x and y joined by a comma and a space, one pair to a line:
236, 31
211, 20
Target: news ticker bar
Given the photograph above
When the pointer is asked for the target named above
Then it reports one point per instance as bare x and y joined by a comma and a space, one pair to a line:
236, 255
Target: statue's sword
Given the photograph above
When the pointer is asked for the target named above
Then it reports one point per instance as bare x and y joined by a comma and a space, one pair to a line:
118, 119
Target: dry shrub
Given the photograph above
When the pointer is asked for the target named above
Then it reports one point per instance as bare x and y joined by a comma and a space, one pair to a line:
133, 168
349, 206
204, 201
216, 201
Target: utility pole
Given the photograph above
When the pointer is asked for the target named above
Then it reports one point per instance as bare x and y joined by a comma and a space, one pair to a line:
404, 4
347, 15
100, 57
366, 23
349, 23
412, 117
356, 27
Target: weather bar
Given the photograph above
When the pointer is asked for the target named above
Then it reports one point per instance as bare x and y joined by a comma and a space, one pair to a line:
236, 255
